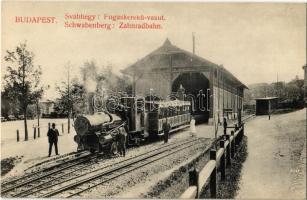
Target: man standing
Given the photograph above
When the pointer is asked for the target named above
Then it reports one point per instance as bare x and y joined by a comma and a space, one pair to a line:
122, 141
166, 128
225, 125
192, 127
53, 134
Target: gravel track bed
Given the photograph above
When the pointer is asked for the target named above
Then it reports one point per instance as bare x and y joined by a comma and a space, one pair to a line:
42, 165
227, 189
152, 173
109, 163
177, 182
56, 160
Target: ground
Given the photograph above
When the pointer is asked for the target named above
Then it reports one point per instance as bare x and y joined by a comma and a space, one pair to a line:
276, 162
9, 129
275, 166
33, 151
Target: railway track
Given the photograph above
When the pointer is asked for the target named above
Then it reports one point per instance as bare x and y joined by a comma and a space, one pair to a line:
75, 180
30, 177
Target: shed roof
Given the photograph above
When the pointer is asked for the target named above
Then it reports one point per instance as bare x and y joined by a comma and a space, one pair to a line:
158, 59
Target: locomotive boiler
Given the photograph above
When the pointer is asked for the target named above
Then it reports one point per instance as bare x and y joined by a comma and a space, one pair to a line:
98, 132
140, 119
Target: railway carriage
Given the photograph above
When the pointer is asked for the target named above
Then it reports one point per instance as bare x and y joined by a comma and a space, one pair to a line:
176, 113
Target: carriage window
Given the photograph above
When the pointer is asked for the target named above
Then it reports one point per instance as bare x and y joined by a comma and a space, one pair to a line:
161, 113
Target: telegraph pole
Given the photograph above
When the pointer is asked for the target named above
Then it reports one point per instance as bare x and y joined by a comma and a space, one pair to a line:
68, 94
38, 113
193, 40
171, 72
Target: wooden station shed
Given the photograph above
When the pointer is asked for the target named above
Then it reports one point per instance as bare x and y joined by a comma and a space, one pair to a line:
212, 90
266, 105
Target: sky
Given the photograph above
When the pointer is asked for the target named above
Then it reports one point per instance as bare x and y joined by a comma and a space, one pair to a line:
254, 41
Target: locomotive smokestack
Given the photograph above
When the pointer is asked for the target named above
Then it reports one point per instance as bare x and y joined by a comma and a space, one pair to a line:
90, 103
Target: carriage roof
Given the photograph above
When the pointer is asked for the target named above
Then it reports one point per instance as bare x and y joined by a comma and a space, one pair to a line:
171, 103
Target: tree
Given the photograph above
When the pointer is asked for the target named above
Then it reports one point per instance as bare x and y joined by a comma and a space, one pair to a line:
72, 99
22, 80
9, 105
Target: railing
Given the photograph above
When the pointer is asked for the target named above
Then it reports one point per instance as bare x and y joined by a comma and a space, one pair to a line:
219, 160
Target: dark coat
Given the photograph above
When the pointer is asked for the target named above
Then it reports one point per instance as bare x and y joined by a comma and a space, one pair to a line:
225, 124
53, 135
166, 127
122, 135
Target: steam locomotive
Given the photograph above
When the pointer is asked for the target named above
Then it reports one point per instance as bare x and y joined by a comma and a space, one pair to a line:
140, 119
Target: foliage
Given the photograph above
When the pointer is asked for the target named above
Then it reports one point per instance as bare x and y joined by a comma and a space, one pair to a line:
99, 79
22, 80
94, 79
292, 92
74, 98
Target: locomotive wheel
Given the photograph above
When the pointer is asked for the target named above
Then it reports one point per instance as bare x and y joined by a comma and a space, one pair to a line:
92, 150
113, 148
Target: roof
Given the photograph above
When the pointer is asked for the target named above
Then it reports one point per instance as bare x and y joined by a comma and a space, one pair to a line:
266, 98
159, 59
172, 103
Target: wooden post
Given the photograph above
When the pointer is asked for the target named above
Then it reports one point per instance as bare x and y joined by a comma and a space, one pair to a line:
34, 133
68, 128
222, 163
193, 179
17, 135
228, 152
240, 136
233, 144
213, 176
62, 128
38, 132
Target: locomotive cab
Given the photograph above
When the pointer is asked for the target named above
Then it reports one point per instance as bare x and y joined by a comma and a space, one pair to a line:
135, 118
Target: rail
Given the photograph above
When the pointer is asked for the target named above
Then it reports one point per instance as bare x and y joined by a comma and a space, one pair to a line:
219, 159
44, 183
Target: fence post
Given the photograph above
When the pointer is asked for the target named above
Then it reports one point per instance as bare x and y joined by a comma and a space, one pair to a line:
222, 165
17, 135
48, 125
233, 144
213, 176
193, 180
34, 133
38, 131
62, 128
240, 136
228, 152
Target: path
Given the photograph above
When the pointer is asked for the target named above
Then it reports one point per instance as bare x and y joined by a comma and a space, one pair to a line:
276, 164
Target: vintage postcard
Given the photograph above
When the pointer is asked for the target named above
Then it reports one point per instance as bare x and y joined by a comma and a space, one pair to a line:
153, 100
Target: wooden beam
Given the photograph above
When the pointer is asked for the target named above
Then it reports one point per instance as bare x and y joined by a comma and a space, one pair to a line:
190, 193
